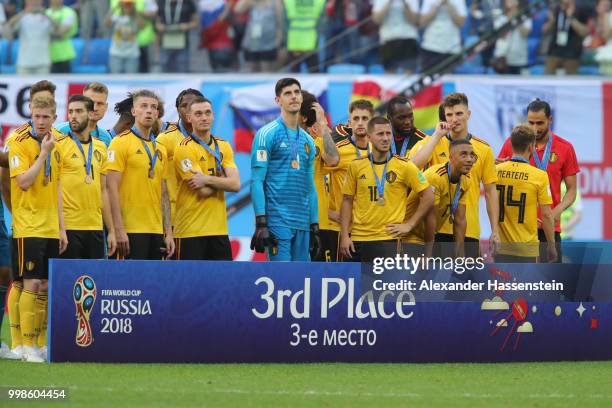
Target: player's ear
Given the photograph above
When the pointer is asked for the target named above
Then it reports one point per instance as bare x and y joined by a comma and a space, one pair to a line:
277, 100
469, 113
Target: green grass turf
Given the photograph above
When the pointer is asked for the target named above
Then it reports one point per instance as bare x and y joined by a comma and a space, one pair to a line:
572, 384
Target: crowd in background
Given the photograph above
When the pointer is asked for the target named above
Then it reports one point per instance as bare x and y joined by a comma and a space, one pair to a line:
271, 35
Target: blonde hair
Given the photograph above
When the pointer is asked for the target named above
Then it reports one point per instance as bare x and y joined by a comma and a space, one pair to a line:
43, 102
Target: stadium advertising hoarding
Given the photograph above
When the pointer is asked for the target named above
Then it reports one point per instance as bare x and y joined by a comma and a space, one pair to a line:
146, 311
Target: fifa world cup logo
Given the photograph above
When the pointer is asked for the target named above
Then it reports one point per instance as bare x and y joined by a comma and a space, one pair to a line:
84, 295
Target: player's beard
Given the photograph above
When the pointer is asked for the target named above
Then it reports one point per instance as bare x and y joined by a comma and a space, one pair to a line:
81, 126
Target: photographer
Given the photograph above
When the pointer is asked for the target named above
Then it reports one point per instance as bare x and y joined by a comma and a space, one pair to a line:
35, 32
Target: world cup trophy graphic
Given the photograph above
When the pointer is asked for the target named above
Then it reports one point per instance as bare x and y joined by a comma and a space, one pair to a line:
84, 295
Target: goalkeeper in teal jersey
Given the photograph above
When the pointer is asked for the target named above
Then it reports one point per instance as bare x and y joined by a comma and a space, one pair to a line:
282, 189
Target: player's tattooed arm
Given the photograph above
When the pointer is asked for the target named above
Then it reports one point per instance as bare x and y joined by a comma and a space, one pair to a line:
330, 153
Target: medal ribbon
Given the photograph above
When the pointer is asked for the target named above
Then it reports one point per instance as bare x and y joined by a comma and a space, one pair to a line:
380, 183
89, 153
294, 146
48, 161
454, 203
215, 153
403, 149
182, 129
520, 159
152, 158
357, 149
543, 164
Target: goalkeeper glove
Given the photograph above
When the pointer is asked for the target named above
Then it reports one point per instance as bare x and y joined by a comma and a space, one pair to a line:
263, 237
315, 242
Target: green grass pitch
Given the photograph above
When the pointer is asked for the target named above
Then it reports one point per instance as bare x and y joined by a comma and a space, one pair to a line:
571, 384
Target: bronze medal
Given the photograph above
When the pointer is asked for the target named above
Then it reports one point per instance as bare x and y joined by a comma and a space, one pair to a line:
88, 179
151, 173
381, 201
46, 180
295, 164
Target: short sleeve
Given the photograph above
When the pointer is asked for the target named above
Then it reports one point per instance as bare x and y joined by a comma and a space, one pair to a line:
262, 146
185, 161
465, 186
433, 181
489, 175
544, 196
19, 161
570, 165
227, 162
415, 179
117, 155
506, 150
350, 182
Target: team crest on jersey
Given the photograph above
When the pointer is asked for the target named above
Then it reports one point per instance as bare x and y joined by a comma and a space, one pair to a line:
307, 148
553, 157
391, 177
111, 156
98, 156
57, 156
30, 266
186, 164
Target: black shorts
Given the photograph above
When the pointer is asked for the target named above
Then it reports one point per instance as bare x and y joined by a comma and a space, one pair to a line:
503, 258
145, 246
329, 246
430, 59
413, 250
444, 249
258, 56
84, 245
215, 247
543, 253
31, 257
401, 54
366, 251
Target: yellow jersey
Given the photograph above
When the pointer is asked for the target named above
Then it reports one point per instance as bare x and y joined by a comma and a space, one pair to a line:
482, 171
348, 152
522, 188
170, 138
444, 193
81, 201
35, 211
321, 183
199, 217
369, 219
139, 195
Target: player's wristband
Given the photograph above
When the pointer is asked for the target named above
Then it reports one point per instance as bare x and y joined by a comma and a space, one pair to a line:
261, 221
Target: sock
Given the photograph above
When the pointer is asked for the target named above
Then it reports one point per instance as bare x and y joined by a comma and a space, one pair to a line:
3, 290
41, 312
13, 309
27, 317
